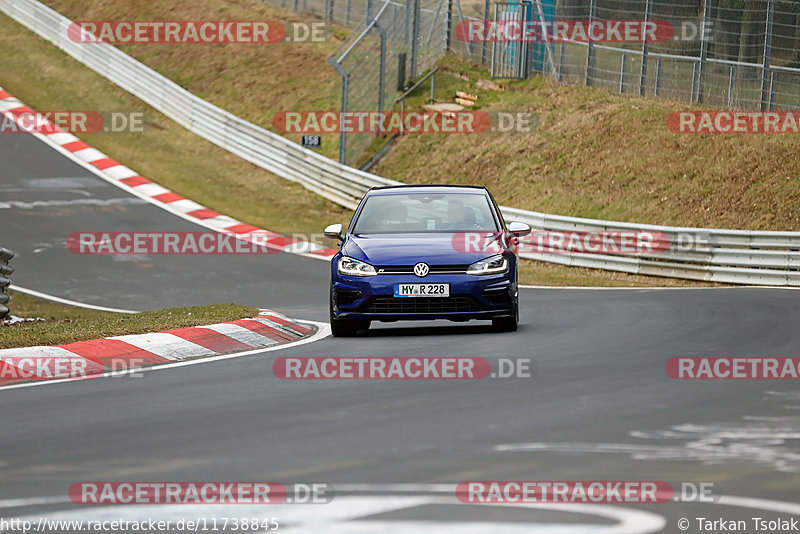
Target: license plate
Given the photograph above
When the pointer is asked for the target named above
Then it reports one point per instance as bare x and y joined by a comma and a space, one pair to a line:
422, 290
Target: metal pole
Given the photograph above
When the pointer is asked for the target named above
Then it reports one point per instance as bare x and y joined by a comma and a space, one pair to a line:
731, 86
467, 44
415, 40
382, 75
548, 43
622, 74
345, 83
695, 76
448, 32
433, 84
772, 81
657, 88
767, 53
648, 11
701, 75
590, 51
369, 9
485, 18
560, 62
347, 14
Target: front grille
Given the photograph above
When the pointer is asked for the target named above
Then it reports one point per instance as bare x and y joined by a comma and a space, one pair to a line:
409, 269
457, 304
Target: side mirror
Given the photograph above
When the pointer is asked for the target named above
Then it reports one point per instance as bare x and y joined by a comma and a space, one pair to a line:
519, 229
334, 231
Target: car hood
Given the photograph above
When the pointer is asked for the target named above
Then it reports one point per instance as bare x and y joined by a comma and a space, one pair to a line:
408, 249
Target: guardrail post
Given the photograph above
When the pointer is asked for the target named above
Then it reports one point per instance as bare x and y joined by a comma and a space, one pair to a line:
731, 86
622, 74
5, 272
765, 68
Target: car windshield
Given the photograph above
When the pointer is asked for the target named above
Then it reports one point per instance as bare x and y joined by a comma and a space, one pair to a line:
425, 213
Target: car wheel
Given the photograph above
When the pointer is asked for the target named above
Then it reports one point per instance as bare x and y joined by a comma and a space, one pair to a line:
507, 324
346, 328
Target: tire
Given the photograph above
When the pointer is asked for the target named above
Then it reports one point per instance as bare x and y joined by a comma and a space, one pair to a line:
345, 328
507, 324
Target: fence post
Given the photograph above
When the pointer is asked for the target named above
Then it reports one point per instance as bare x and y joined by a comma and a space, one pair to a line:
701, 75
657, 88
560, 76
648, 10
414, 39
347, 14
731, 86
590, 52
622, 74
382, 74
695, 79
767, 53
548, 43
5, 272
345, 81
773, 79
485, 18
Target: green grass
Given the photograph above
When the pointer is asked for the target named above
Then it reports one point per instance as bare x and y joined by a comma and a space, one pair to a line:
65, 324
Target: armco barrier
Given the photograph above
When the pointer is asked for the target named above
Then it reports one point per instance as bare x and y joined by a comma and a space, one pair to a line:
5, 272
728, 256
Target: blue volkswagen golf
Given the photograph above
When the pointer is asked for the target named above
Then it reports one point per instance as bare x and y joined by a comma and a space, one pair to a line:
425, 252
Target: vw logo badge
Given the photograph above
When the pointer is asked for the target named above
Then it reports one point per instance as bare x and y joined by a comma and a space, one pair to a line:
421, 269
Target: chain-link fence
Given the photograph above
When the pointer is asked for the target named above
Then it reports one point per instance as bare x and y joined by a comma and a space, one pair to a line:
740, 54
736, 54
399, 42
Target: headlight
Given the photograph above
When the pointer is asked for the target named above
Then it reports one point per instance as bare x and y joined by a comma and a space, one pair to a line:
354, 267
495, 264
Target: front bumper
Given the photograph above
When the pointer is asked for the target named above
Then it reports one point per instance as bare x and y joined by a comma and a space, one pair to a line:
471, 297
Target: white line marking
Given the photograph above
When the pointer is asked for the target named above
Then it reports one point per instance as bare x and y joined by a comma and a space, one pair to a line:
68, 302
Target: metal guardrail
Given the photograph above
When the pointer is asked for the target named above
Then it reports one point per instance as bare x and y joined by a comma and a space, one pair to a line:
730, 256
5, 272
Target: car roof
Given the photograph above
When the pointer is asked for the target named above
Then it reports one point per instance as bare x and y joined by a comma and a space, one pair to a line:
433, 189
